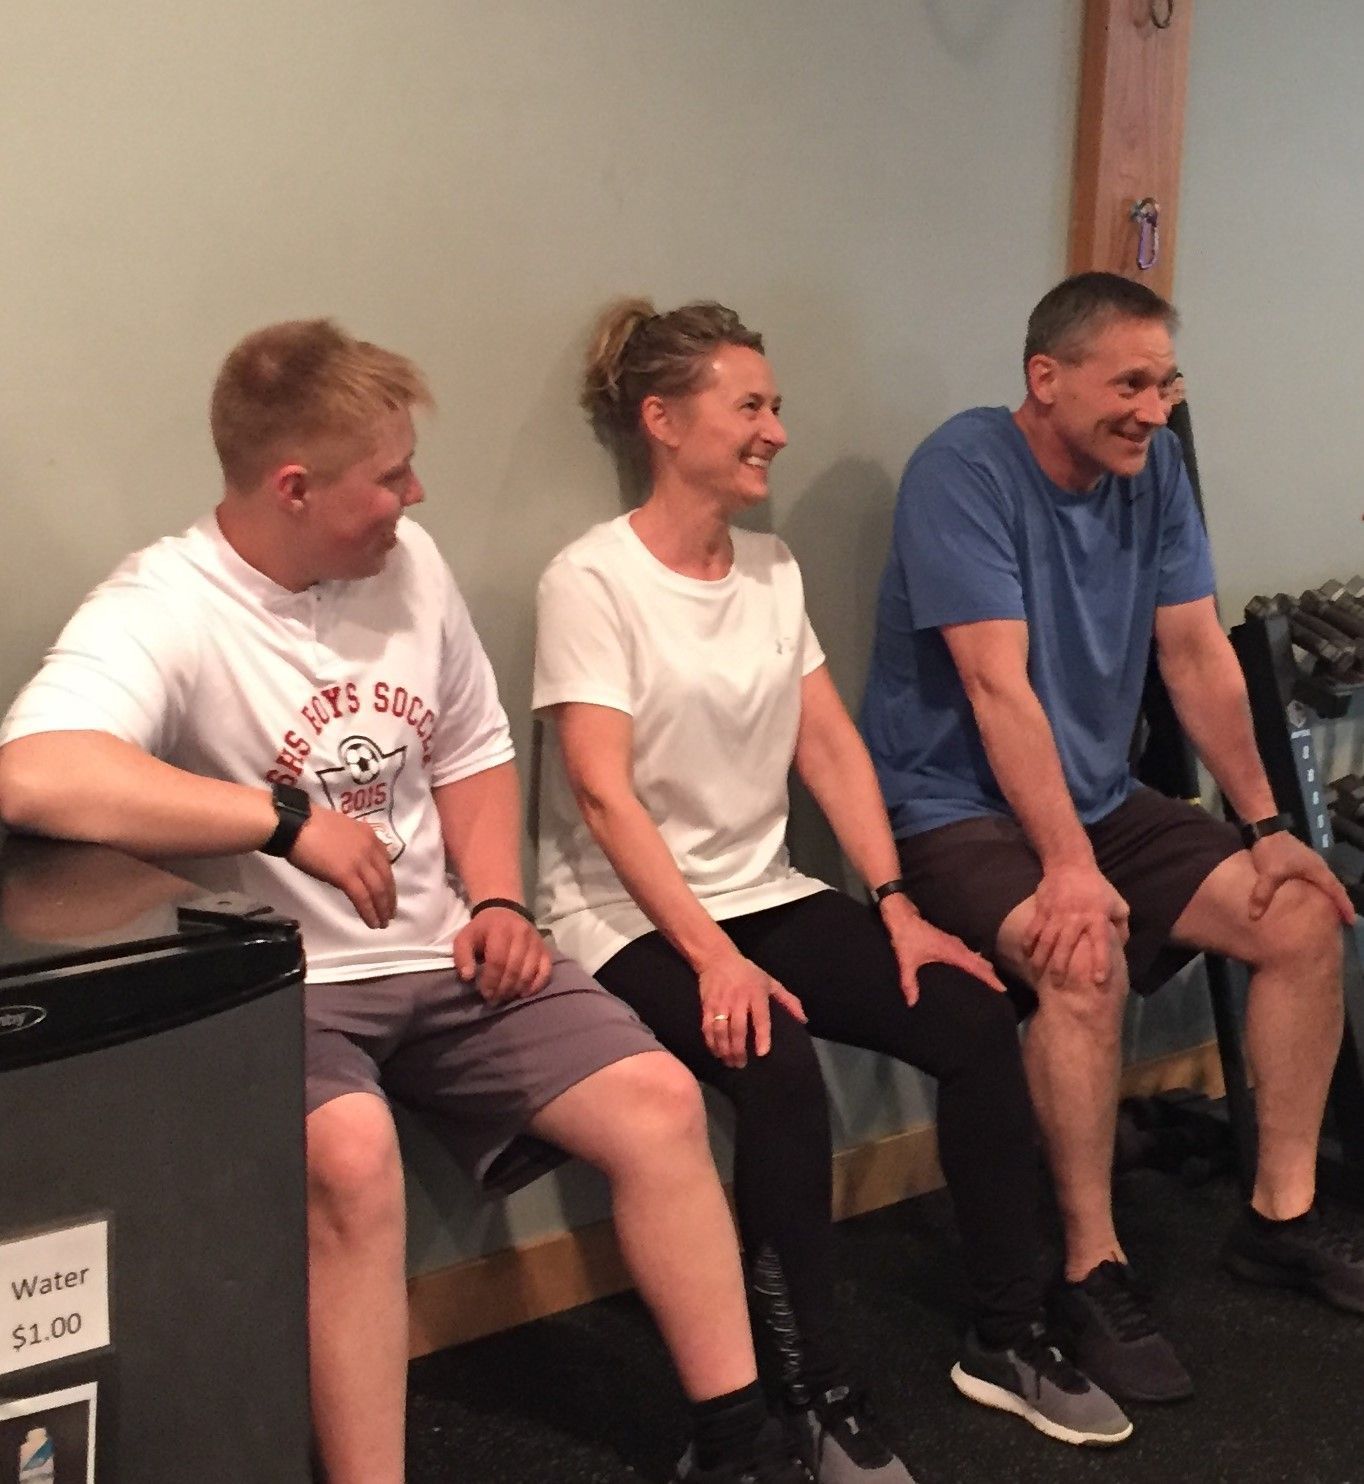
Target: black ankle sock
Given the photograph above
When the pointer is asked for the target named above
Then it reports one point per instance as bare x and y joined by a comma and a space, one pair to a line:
1000, 1334
1269, 1224
725, 1427
819, 1380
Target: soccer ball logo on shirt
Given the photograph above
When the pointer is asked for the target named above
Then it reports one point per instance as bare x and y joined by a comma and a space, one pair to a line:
363, 787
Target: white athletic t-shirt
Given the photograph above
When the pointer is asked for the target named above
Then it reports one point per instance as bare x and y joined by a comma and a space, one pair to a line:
709, 673
366, 694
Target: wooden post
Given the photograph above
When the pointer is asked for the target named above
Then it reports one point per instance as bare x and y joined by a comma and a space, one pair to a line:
1130, 133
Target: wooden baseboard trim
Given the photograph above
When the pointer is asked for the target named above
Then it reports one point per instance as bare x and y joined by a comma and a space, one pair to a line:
486, 1294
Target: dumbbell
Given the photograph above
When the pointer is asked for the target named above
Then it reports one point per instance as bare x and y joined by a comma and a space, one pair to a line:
1337, 593
1306, 635
1348, 829
1325, 628
1330, 651
1347, 794
1280, 605
1338, 616
1341, 613
1349, 610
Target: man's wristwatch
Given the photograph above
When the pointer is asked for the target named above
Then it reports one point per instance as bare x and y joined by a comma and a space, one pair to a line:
292, 808
1258, 829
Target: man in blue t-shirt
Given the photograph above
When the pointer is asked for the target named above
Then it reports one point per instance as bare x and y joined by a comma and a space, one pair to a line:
1035, 556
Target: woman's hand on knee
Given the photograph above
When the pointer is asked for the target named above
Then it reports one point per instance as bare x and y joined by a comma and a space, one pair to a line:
735, 993
917, 942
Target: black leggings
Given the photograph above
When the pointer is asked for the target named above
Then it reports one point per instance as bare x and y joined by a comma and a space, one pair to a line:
835, 957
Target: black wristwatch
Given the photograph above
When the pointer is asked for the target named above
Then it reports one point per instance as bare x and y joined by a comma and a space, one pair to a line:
1257, 830
292, 808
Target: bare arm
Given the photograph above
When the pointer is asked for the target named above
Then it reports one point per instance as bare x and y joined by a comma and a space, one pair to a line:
834, 765
992, 659
95, 786
597, 746
1208, 691
480, 820
1203, 676
1074, 900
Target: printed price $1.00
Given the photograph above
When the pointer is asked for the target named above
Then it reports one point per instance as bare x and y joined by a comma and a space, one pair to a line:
35, 1334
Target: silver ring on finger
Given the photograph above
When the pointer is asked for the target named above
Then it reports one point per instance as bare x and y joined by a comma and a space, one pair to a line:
718, 1019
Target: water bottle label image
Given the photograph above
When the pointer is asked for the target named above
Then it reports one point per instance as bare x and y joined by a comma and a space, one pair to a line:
36, 1461
51, 1438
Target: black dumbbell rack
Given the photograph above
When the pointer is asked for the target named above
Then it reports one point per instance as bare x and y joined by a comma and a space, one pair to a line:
1287, 695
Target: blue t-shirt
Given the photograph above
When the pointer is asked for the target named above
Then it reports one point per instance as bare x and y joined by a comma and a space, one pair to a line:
981, 533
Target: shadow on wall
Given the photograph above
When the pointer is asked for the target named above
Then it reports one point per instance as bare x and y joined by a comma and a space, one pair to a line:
963, 30
839, 530
51, 560
502, 537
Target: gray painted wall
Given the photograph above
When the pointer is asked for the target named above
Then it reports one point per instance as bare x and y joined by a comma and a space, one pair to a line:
1269, 281
881, 187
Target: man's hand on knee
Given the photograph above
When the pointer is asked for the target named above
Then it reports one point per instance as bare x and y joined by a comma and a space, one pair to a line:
1074, 905
1283, 857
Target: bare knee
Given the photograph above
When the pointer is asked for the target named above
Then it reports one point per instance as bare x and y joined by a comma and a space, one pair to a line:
1095, 1005
355, 1183
664, 1101
1298, 934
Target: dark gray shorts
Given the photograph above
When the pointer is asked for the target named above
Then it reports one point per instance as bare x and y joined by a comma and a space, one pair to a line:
483, 1071
1157, 851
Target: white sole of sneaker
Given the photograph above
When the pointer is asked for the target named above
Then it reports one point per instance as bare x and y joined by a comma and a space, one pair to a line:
990, 1395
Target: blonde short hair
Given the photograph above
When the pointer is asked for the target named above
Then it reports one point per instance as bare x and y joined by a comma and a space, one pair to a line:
305, 390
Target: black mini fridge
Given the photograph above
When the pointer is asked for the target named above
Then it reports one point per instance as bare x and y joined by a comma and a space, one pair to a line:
153, 1314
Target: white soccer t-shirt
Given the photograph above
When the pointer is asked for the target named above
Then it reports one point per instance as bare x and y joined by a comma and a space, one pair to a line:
366, 694
710, 675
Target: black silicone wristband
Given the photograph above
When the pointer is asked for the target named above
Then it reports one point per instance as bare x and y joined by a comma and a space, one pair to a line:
1259, 829
519, 908
892, 888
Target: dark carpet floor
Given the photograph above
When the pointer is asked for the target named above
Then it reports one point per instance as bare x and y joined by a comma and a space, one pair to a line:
587, 1397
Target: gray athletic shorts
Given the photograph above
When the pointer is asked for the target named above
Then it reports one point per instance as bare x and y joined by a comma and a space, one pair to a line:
1157, 851
430, 1041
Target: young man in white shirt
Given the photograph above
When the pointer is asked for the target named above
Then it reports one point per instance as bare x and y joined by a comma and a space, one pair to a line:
292, 693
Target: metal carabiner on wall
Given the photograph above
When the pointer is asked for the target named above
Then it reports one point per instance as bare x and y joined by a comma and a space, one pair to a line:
1146, 213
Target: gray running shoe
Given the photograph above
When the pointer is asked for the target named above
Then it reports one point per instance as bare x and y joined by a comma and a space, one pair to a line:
1032, 1379
771, 1462
838, 1440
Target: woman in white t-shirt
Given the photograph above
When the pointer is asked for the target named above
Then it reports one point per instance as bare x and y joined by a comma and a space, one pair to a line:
683, 679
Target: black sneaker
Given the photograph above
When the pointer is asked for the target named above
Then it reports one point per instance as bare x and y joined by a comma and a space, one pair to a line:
837, 1438
1032, 1379
1322, 1254
1105, 1322
771, 1462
